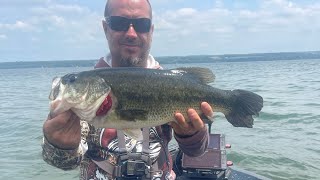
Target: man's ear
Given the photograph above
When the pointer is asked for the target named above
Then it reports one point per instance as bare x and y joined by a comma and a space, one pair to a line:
105, 28
151, 29
151, 32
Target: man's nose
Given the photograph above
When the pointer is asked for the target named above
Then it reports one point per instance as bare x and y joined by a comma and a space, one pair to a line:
131, 32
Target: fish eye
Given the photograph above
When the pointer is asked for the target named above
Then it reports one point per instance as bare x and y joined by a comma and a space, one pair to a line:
70, 78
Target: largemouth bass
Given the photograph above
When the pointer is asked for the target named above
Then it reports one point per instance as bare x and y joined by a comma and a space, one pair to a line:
133, 98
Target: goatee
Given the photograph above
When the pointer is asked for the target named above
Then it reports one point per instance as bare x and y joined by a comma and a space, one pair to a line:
132, 62
140, 61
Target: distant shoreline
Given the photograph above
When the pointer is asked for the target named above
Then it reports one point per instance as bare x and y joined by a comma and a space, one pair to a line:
172, 59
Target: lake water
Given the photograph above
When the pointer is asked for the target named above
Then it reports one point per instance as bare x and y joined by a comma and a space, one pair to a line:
284, 143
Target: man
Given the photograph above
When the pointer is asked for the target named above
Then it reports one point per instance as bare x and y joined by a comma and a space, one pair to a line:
70, 142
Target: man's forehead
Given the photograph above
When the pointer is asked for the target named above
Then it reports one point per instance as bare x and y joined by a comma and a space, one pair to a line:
129, 8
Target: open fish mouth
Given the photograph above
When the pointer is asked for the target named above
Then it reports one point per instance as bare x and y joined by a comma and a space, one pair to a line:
105, 106
55, 88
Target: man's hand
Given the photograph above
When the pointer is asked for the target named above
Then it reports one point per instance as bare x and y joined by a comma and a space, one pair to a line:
183, 128
63, 130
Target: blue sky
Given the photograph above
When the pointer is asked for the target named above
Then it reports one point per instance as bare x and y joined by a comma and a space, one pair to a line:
33, 30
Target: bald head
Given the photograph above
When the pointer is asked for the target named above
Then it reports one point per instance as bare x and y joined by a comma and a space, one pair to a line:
108, 8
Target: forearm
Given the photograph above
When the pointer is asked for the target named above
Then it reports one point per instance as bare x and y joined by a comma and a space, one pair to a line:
63, 159
66, 159
194, 145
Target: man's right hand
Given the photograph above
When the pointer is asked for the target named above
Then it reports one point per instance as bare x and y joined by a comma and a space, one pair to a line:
63, 130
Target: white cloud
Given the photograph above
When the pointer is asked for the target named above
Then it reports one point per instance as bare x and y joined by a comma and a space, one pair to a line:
68, 8
18, 25
280, 25
163, 24
22, 3
58, 20
184, 28
34, 39
218, 3
186, 12
3, 36
274, 14
55, 30
58, 8
68, 23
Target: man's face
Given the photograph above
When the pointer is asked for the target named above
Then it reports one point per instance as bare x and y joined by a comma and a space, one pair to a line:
129, 47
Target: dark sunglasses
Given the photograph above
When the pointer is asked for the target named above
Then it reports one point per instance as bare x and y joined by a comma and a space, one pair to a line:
119, 23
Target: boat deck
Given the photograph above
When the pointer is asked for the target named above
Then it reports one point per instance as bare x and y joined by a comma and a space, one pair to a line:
231, 174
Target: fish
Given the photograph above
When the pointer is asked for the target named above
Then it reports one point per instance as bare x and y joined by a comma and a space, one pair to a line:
134, 98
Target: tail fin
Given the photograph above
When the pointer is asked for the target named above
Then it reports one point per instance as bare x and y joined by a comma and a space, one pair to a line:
246, 104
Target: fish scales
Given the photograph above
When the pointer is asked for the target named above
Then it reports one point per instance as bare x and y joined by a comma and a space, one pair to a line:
147, 97
161, 94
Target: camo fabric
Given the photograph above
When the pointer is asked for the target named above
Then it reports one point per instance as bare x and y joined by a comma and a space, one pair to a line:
66, 159
101, 144
92, 148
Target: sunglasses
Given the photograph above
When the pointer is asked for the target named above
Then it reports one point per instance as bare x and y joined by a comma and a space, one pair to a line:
119, 23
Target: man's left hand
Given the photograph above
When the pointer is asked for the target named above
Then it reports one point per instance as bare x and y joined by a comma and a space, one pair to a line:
182, 127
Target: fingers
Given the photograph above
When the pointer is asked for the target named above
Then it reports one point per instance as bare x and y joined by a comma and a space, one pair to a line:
54, 104
57, 107
206, 109
195, 119
180, 122
194, 122
60, 120
63, 131
181, 126
63, 120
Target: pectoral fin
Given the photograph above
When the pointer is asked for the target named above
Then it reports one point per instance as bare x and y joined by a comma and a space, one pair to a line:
133, 114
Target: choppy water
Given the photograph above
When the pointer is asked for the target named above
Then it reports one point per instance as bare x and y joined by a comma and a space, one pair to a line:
284, 143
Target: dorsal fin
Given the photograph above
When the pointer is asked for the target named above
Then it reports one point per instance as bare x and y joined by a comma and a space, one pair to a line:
204, 75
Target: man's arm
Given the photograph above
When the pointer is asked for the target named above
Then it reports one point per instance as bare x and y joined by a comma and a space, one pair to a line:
192, 136
63, 159
63, 146
64, 141
101, 63
194, 145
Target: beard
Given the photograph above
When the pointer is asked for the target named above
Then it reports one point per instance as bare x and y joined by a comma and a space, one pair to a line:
126, 59
132, 61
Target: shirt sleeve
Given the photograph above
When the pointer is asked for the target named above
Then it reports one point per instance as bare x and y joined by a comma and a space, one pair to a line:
101, 63
194, 145
66, 159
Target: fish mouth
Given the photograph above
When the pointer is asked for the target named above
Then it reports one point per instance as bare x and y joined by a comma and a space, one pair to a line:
105, 106
55, 88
